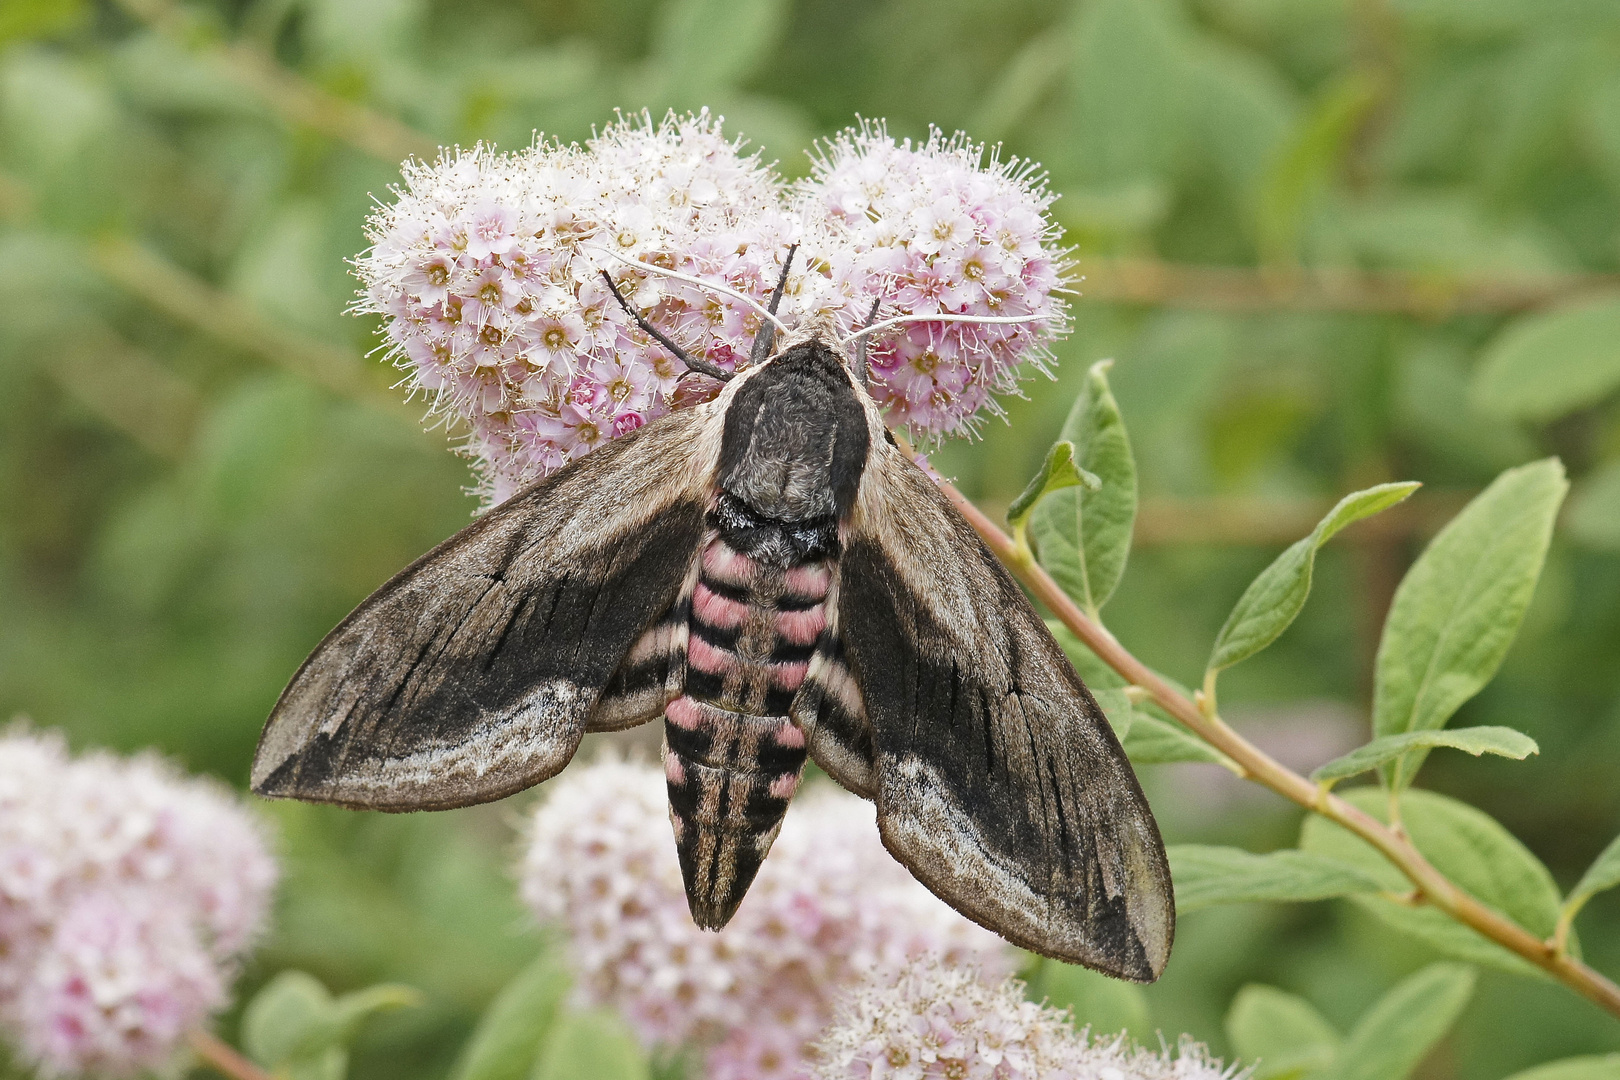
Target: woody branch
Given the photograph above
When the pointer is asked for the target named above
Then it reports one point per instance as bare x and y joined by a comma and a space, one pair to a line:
1200, 717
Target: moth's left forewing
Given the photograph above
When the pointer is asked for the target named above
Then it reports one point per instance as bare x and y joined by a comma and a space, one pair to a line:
476, 670
999, 782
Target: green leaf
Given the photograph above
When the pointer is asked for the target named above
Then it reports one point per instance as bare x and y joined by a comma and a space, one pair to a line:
707, 47
1593, 1067
1130, 117
594, 1044
1020, 87
1106, 1005
1083, 537
1057, 472
1502, 741
1206, 876
1457, 609
509, 1035
1469, 847
1152, 741
1274, 599
1550, 363
296, 1026
287, 1019
1282, 1034
1594, 508
1119, 710
1148, 738
1402, 1026
1308, 160
1604, 873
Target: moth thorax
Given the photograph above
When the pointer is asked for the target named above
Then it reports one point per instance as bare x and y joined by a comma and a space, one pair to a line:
817, 326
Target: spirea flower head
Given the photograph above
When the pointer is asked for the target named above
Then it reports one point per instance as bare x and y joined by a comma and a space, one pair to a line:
934, 228
487, 272
942, 1020
127, 891
488, 266
829, 906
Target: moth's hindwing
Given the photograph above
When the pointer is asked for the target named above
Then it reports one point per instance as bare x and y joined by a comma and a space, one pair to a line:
999, 782
475, 671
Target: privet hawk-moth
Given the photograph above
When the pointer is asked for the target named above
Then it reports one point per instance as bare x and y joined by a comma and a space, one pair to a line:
770, 574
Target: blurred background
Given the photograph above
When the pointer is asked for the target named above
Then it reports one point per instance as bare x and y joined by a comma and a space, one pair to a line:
1329, 242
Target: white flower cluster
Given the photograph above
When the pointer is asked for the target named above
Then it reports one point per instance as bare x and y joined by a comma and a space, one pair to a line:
941, 1021
487, 272
127, 892
933, 229
830, 906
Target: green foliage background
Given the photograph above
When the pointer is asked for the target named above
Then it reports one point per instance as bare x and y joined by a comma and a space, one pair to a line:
199, 476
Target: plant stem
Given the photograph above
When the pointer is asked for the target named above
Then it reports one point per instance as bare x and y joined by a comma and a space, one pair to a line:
1241, 289
223, 1057
1433, 887
294, 99
196, 303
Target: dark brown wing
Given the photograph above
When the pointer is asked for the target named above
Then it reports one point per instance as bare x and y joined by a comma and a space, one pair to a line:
474, 672
1000, 784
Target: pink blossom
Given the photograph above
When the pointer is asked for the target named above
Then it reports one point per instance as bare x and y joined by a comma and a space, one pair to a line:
127, 894
830, 905
943, 1021
115, 988
487, 267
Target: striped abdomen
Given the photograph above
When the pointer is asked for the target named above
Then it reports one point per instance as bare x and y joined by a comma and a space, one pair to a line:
731, 754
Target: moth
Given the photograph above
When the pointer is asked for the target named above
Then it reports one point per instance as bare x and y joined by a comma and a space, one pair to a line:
774, 577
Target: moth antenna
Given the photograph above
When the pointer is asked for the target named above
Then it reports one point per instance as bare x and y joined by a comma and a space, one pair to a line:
713, 286
761, 350
902, 319
858, 359
703, 367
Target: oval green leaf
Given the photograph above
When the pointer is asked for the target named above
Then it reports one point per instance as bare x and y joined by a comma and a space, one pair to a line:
1593, 1067
1205, 876
1393, 1036
1603, 874
1502, 741
1594, 508
1283, 1034
1274, 599
1152, 741
1551, 363
1106, 1005
1057, 472
1469, 847
291, 1017
594, 1044
1083, 537
508, 1038
1458, 608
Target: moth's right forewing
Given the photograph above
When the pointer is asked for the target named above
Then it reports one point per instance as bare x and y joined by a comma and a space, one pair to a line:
475, 671
1000, 784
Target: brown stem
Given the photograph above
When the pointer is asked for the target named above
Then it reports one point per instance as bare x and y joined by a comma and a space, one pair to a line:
197, 303
290, 96
1242, 289
1257, 765
223, 1057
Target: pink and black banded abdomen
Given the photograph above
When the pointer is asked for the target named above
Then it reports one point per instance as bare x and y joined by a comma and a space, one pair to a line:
731, 754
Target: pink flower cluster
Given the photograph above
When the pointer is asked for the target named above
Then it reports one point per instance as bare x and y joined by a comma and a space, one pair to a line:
127, 891
938, 1021
829, 906
932, 229
487, 272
